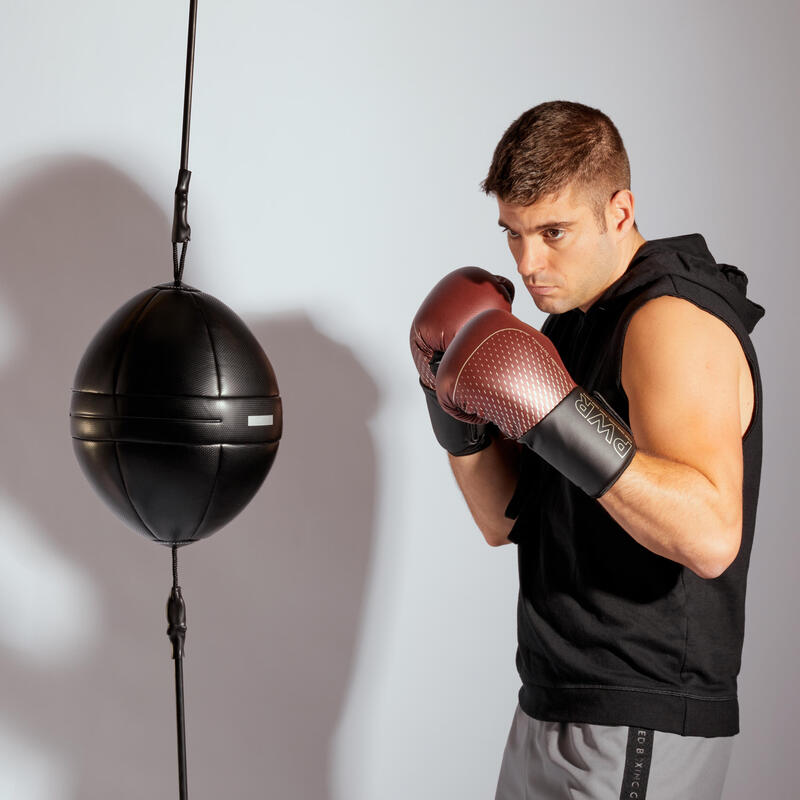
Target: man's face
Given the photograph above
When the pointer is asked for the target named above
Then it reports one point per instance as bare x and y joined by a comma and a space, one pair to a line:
561, 254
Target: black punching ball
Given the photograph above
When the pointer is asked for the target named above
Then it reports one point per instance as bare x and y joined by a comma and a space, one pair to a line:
175, 413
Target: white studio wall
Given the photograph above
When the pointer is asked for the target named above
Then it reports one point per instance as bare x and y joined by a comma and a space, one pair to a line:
351, 636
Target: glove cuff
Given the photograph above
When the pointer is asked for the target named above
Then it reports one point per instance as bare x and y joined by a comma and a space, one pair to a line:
457, 437
585, 441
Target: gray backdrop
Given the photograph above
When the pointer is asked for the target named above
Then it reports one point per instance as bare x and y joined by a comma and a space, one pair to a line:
351, 637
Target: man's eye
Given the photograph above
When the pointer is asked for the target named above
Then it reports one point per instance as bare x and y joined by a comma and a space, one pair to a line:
554, 234
510, 233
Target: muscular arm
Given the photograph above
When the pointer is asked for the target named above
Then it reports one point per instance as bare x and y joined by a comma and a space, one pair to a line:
690, 396
487, 480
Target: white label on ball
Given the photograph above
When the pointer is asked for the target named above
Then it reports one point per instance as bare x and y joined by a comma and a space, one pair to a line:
265, 419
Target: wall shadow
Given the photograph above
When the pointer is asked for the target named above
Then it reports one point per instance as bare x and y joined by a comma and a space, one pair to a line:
274, 600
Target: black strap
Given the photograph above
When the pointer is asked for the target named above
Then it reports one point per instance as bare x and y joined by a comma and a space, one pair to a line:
177, 267
176, 631
181, 232
584, 440
638, 758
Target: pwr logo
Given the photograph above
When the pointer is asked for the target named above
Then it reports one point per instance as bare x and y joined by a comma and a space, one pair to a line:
604, 424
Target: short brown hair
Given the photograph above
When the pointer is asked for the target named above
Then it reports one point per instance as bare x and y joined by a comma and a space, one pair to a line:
555, 144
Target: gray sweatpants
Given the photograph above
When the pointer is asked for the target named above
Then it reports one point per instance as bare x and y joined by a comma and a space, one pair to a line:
578, 761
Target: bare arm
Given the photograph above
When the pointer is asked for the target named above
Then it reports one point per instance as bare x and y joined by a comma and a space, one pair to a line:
487, 480
690, 397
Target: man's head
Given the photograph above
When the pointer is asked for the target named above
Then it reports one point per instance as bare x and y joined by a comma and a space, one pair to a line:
562, 181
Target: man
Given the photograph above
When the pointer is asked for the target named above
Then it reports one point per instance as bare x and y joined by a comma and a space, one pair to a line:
620, 450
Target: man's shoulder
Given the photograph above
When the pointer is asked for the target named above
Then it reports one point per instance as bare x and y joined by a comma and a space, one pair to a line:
670, 335
672, 315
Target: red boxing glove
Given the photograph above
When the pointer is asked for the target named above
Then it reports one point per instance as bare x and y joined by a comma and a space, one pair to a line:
499, 369
454, 300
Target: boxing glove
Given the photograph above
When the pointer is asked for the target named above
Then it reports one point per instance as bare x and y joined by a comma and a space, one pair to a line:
498, 369
452, 302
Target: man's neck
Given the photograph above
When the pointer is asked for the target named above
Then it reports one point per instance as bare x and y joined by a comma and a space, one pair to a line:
629, 249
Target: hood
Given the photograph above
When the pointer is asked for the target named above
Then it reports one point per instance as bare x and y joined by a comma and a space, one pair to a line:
689, 257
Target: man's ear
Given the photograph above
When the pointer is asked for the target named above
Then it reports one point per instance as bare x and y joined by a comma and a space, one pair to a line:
622, 210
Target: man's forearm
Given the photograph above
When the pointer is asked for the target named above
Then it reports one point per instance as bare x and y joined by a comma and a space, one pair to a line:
487, 480
675, 511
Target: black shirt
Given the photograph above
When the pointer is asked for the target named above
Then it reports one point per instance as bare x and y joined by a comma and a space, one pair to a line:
609, 632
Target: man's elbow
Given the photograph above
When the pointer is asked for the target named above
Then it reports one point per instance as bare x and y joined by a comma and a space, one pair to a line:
719, 555
497, 541
497, 537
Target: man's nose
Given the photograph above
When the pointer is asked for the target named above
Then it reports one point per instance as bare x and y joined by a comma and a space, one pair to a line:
531, 258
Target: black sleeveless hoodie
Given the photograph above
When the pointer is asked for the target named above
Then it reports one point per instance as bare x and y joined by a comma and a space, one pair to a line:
609, 632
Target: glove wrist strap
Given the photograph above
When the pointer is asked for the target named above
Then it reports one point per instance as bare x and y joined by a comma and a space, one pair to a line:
585, 440
457, 437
